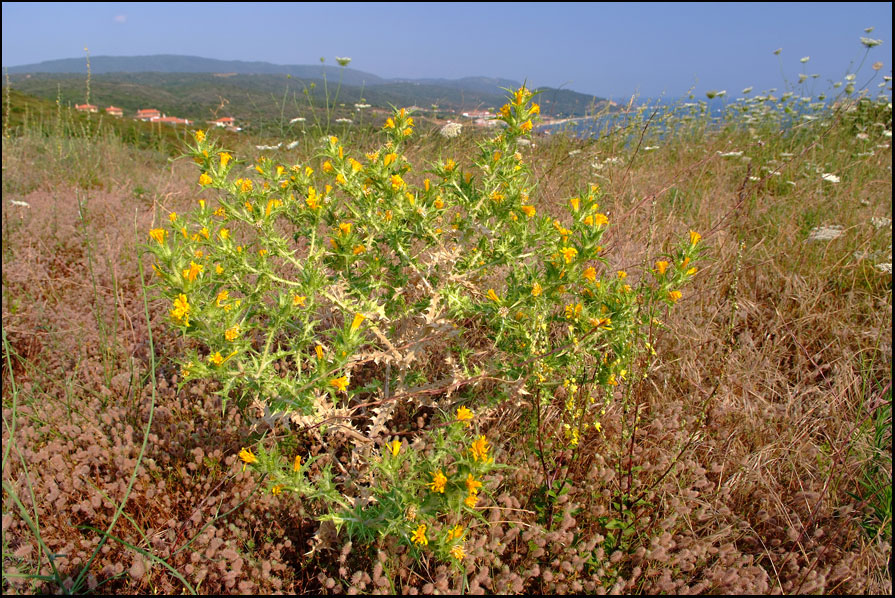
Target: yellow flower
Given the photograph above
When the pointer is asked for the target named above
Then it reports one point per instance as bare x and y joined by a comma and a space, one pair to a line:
397, 182
526, 126
438, 203
172, 216
271, 204
358, 249
200, 135
358, 319
573, 311
247, 457
389, 123
622, 274
535, 108
530, 211
159, 235
389, 158
661, 266
691, 271
458, 553
204, 179
225, 159
438, 482
455, 532
222, 296
224, 234
232, 333
296, 465
521, 95
694, 237
575, 202
450, 165
568, 254
472, 485
276, 489
319, 351
684, 262
590, 274
493, 296
218, 269
311, 200
340, 383
600, 220
673, 296
426, 184
345, 228
298, 300
192, 272
340, 179
419, 536
536, 290
471, 500
464, 415
328, 167
216, 359
395, 447
181, 311
479, 449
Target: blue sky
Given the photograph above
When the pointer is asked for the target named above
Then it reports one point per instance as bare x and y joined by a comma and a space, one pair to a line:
609, 50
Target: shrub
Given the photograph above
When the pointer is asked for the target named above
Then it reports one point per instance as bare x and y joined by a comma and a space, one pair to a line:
299, 284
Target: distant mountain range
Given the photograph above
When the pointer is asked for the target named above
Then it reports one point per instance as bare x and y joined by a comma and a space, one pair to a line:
196, 87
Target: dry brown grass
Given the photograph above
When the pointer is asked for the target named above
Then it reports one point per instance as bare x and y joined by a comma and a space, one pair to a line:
750, 430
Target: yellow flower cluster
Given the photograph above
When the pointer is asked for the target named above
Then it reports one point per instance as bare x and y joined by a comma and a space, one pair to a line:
438, 483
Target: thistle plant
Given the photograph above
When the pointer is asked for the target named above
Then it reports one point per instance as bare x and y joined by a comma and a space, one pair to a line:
286, 283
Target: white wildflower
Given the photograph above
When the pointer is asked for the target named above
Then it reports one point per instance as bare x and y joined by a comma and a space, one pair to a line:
880, 222
22, 204
804, 59
269, 147
297, 119
830, 178
885, 267
870, 42
825, 233
730, 154
650, 148
342, 60
862, 136
292, 145
887, 133
344, 120
450, 130
575, 152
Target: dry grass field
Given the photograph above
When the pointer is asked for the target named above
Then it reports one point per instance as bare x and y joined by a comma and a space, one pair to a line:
753, 457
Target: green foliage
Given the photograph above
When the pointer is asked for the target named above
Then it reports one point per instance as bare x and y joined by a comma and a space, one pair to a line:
284, 287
